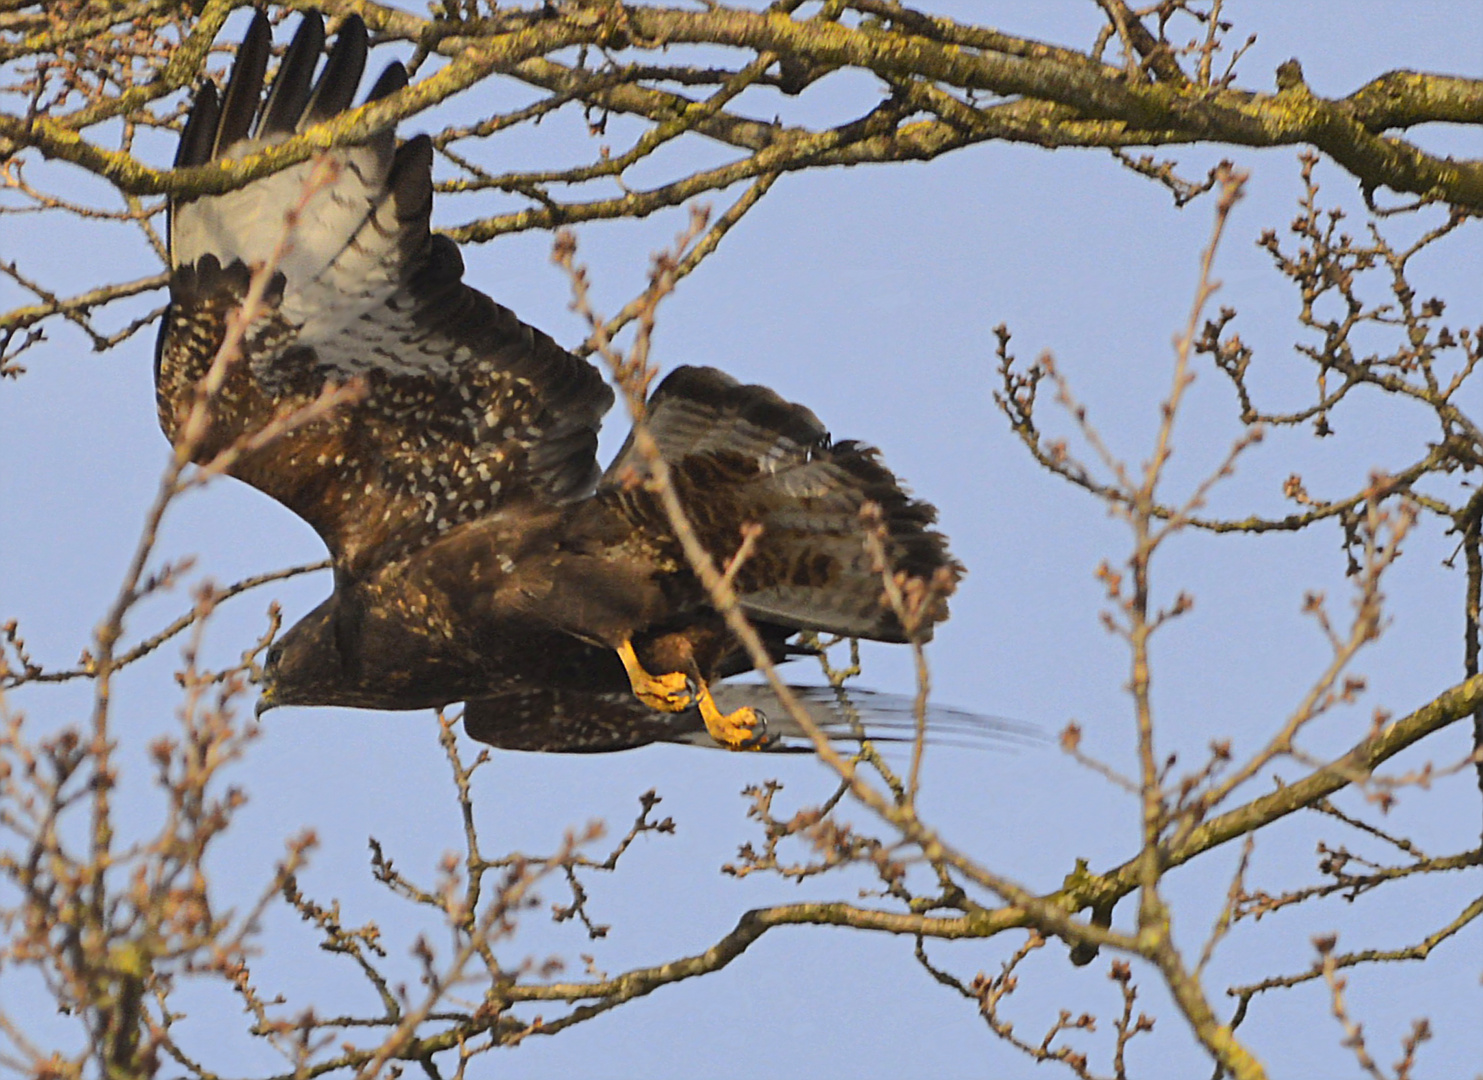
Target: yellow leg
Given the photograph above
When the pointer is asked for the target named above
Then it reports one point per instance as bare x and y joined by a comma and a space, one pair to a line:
667, 693
744, 729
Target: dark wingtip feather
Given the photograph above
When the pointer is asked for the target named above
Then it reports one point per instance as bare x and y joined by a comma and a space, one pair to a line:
411, 181
200, 128
388, 82
290, 91
245, 86
336, 87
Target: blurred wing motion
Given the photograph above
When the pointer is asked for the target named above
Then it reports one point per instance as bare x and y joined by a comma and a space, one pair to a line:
478, 555
554, 721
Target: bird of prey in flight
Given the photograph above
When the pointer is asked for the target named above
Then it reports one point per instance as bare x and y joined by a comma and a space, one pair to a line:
480, 554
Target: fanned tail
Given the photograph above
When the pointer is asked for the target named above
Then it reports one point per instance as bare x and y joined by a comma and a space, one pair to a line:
742, 454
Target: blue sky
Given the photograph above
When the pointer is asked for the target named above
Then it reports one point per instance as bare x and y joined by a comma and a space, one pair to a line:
870, 295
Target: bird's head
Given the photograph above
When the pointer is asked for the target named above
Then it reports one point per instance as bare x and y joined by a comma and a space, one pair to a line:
303, 666
347, 653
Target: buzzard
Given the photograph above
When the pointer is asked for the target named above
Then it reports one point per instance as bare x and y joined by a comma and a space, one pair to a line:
479, 553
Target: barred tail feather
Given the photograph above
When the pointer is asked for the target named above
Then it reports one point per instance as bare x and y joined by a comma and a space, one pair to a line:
742, 454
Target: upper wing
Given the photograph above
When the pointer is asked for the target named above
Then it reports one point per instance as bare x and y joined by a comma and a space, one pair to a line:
466, 408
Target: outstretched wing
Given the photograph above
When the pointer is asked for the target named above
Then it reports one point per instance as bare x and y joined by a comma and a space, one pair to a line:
465, 407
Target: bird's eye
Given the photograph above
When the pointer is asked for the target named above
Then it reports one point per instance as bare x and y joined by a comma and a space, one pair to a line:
275, 654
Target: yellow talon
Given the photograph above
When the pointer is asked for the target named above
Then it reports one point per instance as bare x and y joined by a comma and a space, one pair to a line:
671, 692
744, 729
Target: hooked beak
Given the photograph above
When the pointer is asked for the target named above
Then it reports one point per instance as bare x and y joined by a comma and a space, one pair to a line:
265, 701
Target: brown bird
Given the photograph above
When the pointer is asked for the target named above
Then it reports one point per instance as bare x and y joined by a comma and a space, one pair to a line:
479, 556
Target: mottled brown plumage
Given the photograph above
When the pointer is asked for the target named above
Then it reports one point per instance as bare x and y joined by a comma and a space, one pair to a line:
478, 554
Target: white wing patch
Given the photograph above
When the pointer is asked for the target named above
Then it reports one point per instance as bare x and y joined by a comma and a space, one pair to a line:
343, 267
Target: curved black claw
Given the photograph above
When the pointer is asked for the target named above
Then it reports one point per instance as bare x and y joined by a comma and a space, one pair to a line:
760, 739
